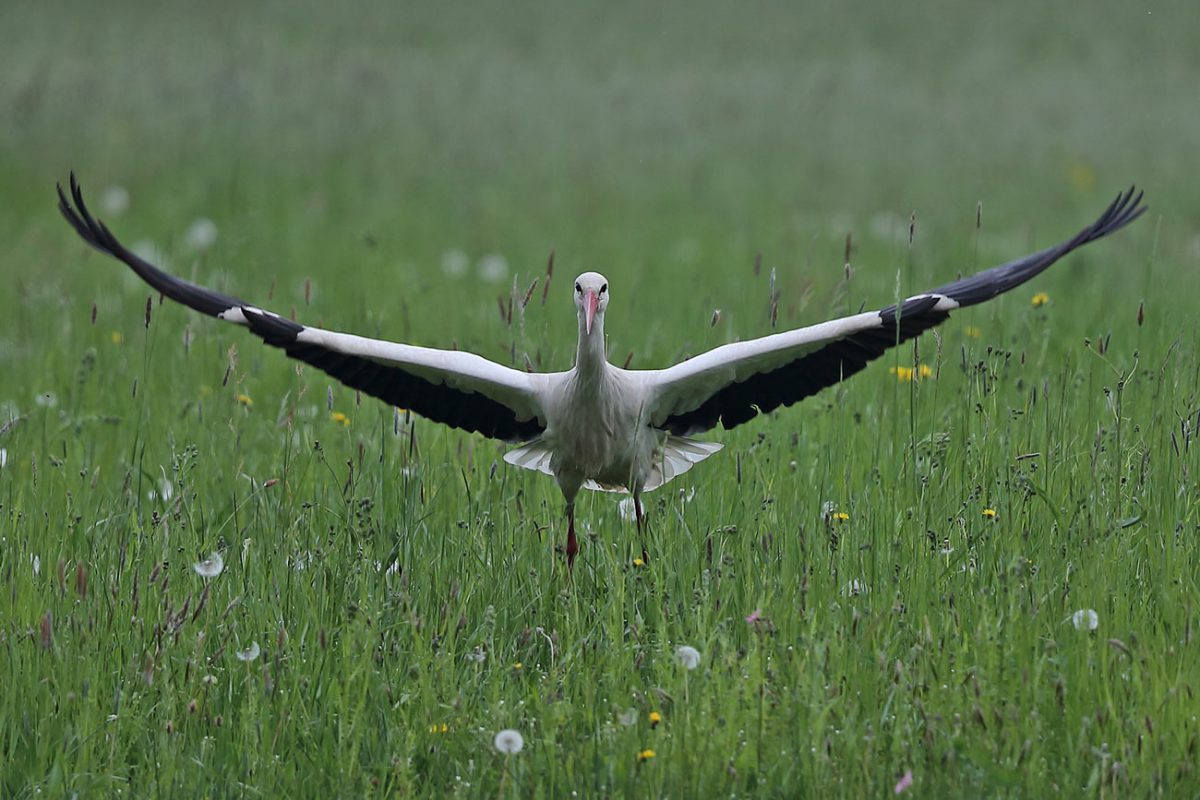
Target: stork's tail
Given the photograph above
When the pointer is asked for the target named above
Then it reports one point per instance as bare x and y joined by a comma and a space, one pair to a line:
679, 454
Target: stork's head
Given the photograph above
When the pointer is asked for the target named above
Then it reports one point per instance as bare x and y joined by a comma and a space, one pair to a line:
591, 298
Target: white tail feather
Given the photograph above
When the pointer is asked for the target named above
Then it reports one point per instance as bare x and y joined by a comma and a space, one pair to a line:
678, 455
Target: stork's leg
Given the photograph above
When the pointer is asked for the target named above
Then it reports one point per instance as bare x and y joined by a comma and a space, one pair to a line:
641, 525
572, 542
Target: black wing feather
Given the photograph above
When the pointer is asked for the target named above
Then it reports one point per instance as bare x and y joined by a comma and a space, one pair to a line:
469, 411
838, 360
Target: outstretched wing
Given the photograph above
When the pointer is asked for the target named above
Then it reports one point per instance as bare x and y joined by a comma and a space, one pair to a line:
733, 383
459, 389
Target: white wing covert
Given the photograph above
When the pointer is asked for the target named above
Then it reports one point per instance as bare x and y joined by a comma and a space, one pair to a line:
459, 389
733, 383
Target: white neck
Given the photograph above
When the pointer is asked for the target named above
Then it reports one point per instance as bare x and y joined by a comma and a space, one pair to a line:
590, 357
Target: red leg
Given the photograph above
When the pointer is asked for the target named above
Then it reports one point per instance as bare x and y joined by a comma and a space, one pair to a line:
572, 542
641, 526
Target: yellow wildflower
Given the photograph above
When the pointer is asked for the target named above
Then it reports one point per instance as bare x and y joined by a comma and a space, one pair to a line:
972, 332
655, 718
340, 418
646, 755
1082, 177
244, 400
435, 728
990, 513
925, 371
839, 516
518, 666
637, 562
117, 337
904, 374
1040, 299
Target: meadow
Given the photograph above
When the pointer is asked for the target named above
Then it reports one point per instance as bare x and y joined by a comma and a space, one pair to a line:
979, 578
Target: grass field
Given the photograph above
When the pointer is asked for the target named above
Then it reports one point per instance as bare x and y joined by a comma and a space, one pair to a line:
917, 550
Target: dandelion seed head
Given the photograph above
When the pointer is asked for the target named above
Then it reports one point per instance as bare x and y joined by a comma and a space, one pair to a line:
250, 653
628, 717
201, 234
455, 263
854, 588
688, 656
114, 200
493, 268
1085, 619
210, 567
509, 742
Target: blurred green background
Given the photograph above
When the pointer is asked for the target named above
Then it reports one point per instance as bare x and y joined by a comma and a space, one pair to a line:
392, 169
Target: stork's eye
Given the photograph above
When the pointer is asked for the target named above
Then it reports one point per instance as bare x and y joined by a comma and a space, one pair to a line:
579, 288
604, 288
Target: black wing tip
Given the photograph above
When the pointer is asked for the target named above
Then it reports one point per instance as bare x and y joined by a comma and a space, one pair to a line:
274, 329
90, 229
1124, 209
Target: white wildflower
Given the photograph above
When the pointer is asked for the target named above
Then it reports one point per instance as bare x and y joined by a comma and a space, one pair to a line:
250, 653
509, 742
1085, 619
46, 400
688, 656
210, 567
854, 588
201, 234
477, 655
36, 563
3, 457
114, 200
455, 263
493, 268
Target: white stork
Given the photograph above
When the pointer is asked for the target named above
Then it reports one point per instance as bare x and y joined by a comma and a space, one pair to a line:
598, 426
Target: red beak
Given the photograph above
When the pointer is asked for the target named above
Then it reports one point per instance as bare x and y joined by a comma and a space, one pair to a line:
591, 302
